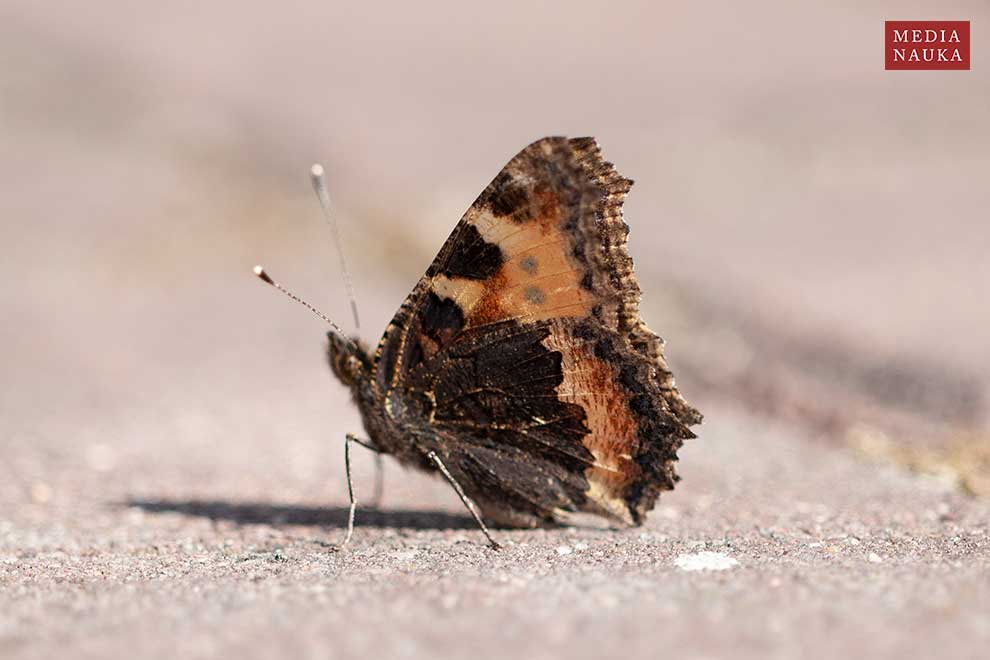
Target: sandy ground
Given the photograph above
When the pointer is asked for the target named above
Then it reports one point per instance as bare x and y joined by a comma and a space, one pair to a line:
809, 234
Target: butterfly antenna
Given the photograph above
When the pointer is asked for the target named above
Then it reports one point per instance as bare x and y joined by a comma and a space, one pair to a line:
320, 186
264, 277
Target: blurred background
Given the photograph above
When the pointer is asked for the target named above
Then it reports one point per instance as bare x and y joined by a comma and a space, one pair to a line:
795, 203
810, 231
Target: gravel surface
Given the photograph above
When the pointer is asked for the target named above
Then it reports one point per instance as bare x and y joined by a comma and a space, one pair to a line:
815, 553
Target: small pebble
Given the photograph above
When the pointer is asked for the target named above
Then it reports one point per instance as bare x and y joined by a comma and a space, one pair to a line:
705, 561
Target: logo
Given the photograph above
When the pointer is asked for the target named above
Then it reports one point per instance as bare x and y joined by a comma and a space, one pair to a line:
926, 45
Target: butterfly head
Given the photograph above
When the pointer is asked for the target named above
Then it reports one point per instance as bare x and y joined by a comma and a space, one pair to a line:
349, 360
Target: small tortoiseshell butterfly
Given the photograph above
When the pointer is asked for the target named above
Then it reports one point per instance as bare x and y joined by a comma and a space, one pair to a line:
519, 367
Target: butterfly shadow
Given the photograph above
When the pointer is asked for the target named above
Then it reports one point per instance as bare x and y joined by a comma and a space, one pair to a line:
257, 513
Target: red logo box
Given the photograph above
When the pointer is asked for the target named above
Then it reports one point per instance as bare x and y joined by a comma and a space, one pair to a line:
926, 45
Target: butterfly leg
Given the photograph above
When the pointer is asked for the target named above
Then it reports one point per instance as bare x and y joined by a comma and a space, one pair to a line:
464, 498
350, 483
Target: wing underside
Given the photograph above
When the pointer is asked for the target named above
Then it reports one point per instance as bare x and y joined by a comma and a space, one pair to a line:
524, 353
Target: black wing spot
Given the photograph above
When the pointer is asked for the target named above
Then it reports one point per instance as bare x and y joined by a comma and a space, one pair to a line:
473, 257
505, 195
440, 319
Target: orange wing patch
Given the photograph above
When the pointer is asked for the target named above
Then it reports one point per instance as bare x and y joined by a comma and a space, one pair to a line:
537, 280
591, 383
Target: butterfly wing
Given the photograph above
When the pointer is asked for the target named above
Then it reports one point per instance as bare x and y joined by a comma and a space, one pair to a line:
522, 356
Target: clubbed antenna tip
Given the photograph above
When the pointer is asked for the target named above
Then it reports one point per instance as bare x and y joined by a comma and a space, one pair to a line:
263, 275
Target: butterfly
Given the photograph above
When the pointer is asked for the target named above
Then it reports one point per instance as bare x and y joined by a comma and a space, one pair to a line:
519, 367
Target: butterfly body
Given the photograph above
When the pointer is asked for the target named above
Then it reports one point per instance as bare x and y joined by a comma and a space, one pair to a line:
520, 359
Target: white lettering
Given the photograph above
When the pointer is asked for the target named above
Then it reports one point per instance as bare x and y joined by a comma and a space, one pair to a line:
927, 55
